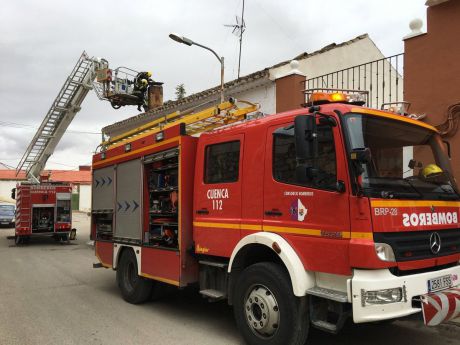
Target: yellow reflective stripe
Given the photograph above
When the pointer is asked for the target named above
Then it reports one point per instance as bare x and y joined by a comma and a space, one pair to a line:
362, 235
164, 280
394, 117
282, 229
104, 161
413, 203
251, 227
217, 225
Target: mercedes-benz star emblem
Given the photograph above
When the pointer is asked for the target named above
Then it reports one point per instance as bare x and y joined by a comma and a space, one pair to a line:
435, 243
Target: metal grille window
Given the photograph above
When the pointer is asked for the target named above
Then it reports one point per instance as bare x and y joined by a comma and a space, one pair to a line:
284, 158
222, 162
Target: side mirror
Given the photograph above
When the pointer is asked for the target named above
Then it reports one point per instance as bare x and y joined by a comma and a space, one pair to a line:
361, 155
13, 194
340, 186
306, 147
306, 143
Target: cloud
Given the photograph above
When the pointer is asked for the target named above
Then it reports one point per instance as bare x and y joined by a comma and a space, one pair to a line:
41, 42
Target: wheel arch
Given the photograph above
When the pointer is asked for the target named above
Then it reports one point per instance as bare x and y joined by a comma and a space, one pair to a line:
260, 247
119, 249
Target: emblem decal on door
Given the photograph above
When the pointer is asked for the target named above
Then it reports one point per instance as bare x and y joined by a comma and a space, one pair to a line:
297, 210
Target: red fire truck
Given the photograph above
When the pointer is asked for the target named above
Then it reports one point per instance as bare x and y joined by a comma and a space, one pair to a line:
302, 218
43, 210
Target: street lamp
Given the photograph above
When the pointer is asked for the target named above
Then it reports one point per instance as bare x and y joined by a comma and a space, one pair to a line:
189, 42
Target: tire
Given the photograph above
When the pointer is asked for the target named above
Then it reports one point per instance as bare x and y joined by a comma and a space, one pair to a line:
265, 308
65, 238
134, 288
18, 239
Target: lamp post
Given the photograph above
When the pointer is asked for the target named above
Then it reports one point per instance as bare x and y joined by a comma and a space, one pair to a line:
189, 42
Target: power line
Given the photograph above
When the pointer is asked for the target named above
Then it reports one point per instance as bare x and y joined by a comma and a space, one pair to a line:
280, 27
31, 127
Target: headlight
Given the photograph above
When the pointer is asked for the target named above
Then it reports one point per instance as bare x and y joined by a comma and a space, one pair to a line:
382, 296
384, 252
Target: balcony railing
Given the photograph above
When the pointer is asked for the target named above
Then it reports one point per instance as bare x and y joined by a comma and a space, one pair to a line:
382, 79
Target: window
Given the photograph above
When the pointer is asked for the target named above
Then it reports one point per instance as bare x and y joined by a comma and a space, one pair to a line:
284, 158
222, 162
63, 211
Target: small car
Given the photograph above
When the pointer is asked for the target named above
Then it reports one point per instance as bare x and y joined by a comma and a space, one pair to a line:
7, 215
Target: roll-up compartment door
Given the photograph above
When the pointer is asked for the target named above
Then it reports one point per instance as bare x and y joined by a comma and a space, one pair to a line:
128, 200
103, 189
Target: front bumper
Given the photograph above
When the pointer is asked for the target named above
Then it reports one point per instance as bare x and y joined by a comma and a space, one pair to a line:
413, 286
8, 222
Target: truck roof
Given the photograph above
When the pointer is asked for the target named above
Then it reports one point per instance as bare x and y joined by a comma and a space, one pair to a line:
325, 108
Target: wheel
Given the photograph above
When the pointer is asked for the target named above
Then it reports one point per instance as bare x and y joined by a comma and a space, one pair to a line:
134, 289
65, 238
18, 239
73, 234
265, 308
115, 105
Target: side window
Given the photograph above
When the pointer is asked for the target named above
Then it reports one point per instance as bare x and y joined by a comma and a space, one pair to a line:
222, 162
284, 158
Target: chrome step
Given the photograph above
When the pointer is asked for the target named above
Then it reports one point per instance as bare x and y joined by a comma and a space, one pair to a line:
214, 263
333, 295
213, 294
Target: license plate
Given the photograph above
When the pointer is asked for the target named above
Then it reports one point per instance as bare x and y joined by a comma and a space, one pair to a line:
5, 223
440, 283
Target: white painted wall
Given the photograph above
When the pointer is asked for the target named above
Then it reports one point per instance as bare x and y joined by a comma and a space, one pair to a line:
85, 197
353, 54
265, 95
5, 190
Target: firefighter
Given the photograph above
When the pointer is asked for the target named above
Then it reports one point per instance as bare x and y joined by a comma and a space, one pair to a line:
141, 84
431, 171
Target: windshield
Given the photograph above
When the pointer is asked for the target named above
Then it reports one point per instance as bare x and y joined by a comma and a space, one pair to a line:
6, 210
406, 161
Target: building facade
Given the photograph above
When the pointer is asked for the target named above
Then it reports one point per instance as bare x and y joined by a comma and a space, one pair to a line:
277, 88
432, 72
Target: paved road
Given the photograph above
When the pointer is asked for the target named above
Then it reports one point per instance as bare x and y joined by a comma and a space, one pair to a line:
50, 294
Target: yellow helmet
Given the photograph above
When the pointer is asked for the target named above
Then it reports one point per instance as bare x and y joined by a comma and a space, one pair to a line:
149, 74
431, 170
144, 82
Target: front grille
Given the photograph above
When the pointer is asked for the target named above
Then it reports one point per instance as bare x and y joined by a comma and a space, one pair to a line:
415, 245
396, 271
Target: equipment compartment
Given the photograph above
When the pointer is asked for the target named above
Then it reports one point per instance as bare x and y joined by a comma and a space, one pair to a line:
162, 178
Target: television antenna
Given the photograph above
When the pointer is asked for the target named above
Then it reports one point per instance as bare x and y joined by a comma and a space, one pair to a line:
238, 30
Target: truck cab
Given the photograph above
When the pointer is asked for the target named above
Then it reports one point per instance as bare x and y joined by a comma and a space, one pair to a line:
307, 217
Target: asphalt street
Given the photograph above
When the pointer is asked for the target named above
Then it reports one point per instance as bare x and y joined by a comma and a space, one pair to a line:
50, 294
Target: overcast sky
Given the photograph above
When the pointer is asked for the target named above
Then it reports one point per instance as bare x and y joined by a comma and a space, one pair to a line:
40, 42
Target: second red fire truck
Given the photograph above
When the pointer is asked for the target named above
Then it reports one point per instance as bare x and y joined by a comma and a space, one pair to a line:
307, 217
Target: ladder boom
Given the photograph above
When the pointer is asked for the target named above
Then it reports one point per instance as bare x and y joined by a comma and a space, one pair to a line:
61, 113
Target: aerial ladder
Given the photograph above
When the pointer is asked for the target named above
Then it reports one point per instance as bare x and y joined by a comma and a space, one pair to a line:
58, 118
43, 207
